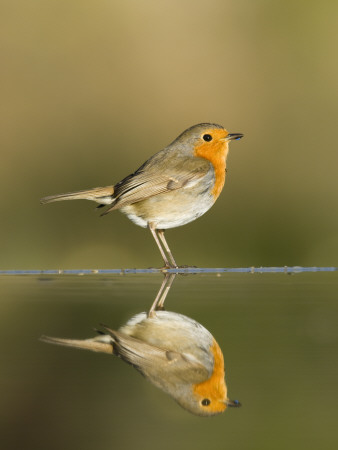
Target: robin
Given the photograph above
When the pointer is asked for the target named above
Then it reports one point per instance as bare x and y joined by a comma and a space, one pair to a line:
174, 352
173, 187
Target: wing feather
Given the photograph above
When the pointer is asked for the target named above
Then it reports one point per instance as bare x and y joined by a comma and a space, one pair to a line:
155, 362
183, 172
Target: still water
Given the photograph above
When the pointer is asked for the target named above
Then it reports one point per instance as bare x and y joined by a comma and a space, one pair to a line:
278, 333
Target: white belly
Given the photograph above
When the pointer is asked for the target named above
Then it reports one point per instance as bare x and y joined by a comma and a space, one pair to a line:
169, 210
164, 221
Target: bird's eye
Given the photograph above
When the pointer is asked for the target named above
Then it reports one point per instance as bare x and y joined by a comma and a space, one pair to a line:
207, 137
205, 402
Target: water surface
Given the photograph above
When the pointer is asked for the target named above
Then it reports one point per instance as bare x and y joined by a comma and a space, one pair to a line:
278, 333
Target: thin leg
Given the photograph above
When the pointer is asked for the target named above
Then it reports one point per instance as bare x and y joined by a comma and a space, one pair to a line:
166, 246
164, 256
171, 278
162, 294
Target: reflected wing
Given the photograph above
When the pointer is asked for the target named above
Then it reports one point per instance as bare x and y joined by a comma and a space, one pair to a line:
156, 363
149, 180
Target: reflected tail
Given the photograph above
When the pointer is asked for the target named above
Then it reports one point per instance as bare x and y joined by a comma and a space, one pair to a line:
100, 344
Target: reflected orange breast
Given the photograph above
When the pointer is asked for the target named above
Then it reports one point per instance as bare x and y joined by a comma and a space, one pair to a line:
214, 388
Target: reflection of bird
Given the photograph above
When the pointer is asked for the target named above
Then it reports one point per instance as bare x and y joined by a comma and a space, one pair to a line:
174, 352
174, 187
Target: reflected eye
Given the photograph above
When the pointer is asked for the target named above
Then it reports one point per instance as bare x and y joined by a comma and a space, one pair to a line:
207, 137
205, 402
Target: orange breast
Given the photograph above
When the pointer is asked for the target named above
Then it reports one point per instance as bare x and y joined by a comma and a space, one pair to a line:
214, 388
216, 152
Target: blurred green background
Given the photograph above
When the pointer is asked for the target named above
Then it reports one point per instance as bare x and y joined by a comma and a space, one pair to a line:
91, 89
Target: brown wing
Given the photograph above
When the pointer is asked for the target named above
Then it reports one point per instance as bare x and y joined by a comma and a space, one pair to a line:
156, 363
162, 173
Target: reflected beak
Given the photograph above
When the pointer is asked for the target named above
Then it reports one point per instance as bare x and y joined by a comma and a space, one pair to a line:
234, 136
233, 403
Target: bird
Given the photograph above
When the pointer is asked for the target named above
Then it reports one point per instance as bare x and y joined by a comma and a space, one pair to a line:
173, 351
172, 188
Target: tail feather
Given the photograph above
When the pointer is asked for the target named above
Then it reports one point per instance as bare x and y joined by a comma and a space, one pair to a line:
101, 344
102, 195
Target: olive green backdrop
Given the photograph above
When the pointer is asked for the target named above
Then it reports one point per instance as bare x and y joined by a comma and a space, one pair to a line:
91, 89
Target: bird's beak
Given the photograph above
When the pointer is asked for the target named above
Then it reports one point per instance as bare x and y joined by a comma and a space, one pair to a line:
233, 403
234, 136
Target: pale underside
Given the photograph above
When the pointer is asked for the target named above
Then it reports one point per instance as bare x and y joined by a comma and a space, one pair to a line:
174, 208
